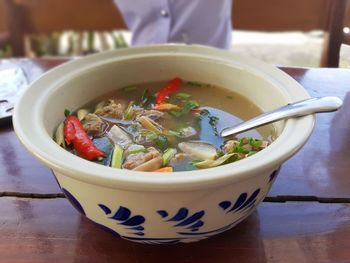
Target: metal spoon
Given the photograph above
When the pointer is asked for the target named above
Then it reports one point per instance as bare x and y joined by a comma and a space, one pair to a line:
296, 109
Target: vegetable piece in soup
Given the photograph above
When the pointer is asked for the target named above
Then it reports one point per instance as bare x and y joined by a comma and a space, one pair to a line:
162, 127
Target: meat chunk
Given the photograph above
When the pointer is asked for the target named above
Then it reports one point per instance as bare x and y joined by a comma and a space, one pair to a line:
111, 110
180, 157
136, 159
152, 114
230, 146
93, 124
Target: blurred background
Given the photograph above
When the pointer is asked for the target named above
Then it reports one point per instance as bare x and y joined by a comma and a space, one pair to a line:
281, 32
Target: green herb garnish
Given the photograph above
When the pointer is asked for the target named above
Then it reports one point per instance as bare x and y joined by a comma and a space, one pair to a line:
255, 143
251, 153
129, 111
204, 112
144, 98
168, 155
220, 153
194, 84
189, 105
149, 135
182, 95
162, 142
129, 88
192, 162
213, 121
239, 149
66, 112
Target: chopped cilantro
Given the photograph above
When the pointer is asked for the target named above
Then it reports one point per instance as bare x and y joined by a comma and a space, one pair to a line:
213, 121
182, 95
129, 88
194, 84
251, 153
162, 142
66, 112
192, 162
144, 98
204, 112
189, 105
255, 142
220, 153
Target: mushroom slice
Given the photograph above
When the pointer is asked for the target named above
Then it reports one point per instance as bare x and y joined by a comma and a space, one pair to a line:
150, 124
134, 160
119, 136
150, 165
213, 163
199, 150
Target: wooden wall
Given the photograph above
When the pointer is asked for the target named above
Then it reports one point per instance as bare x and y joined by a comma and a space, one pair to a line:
279, 15
2, 16
50, 15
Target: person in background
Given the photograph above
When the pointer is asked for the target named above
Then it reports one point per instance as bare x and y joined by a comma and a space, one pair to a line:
206, 22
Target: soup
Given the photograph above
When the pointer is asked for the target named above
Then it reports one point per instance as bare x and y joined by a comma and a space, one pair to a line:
162, 127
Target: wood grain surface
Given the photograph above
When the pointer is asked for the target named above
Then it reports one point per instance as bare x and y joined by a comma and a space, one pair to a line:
37, 230
305, 218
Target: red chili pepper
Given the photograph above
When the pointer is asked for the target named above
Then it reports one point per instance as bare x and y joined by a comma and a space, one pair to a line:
75, 133
172, 86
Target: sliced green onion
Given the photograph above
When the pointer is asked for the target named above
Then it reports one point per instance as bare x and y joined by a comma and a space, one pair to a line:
189, 105
239, 149
162, 142
193, 83
168, 155
247, 148
129, 88
251, 153
136, 148
150, 124
129, 111
150, 136
244, 140
144, 98
81, 114
213, 163
182, 95
117, 157
175, 113
255, 143
193, 162
100, 105
59, 135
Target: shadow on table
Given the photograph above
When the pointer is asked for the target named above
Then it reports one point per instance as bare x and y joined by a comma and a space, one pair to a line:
240, 244
339, 141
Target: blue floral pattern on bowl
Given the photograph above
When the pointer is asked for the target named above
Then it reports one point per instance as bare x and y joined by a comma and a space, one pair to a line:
183, 220
187, 224
274, 174
123, 216
242, 203
73, 201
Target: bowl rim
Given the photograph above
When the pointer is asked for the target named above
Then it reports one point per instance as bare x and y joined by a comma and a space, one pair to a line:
292, 138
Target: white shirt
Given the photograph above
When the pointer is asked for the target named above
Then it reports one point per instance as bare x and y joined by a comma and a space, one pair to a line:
206, 22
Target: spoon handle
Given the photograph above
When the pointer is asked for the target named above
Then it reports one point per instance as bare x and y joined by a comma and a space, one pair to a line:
297, 109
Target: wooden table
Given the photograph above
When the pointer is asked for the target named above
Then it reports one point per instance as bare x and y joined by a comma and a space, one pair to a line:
305, 218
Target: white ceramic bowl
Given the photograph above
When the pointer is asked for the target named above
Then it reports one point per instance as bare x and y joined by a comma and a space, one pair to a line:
158, 207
